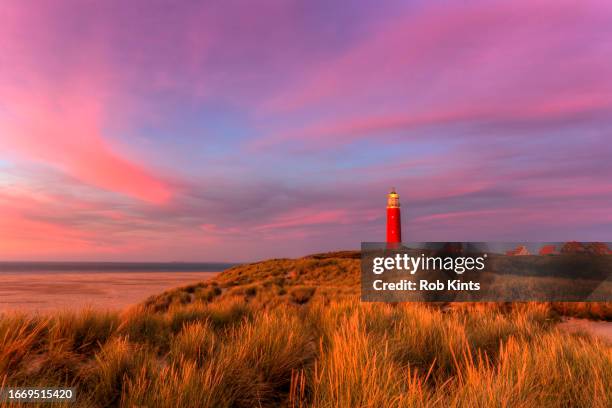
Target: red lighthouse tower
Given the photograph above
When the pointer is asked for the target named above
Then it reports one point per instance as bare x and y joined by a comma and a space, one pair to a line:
394, 219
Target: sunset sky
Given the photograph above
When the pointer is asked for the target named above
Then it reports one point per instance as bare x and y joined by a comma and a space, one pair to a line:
243, 130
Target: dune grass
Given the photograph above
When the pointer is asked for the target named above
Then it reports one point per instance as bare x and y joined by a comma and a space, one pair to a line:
293, 333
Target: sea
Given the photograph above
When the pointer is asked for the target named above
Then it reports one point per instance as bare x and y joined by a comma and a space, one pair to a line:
43, 287
95, 267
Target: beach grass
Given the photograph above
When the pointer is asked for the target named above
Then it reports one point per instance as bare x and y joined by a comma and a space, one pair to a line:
293, 333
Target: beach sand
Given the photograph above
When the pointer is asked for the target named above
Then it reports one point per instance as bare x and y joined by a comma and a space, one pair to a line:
600, 329
44, 292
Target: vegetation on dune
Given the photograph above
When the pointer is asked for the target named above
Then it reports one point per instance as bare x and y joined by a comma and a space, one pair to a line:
293, 333
584, 310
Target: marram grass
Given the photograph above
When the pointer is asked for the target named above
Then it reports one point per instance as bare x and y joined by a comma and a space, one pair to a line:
293, 333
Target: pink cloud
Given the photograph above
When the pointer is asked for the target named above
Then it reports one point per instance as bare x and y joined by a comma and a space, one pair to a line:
23, 237
513, 218
443, 65
305, 218
38, 224
345, 130
67, 135
61, 95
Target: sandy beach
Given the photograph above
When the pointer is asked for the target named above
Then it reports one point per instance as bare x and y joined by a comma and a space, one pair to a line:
44, 292
599, 329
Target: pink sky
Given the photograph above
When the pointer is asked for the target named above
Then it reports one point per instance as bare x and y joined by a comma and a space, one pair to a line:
232, 131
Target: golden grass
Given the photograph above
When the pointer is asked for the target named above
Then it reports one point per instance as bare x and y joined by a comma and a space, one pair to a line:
262, 335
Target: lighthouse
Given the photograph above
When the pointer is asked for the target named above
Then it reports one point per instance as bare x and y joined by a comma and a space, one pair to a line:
394, 220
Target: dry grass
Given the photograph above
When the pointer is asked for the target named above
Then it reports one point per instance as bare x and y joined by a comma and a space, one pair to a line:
260, 335
584, 310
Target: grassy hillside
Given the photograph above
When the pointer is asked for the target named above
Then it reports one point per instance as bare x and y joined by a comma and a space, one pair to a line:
293, 333
274, 282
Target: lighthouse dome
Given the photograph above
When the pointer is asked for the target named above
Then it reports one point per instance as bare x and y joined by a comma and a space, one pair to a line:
393, 199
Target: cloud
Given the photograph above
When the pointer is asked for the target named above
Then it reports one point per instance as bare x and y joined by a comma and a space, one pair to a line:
57, 102
483, 63
311, 218
67, 135
244, 131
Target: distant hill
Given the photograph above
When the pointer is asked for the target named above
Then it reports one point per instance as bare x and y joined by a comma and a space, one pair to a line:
275, 281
